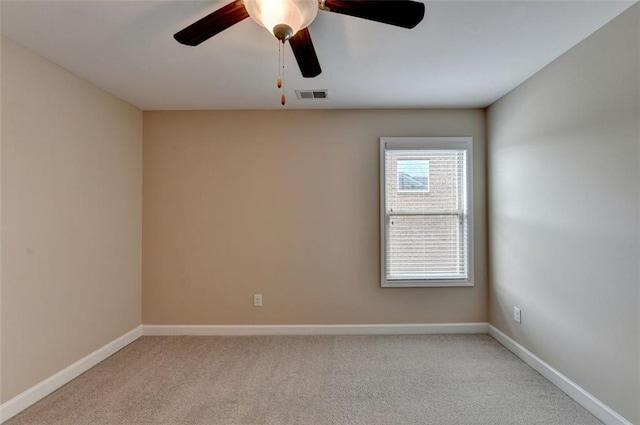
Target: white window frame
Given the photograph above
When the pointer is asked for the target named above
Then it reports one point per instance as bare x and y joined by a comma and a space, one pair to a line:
427, 143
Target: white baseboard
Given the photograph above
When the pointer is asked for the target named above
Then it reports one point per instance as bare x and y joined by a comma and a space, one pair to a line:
20, 402
380, 329
573, 390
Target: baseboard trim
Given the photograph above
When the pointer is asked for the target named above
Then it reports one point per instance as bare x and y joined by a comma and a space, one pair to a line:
377, 329
17, 404
597, 408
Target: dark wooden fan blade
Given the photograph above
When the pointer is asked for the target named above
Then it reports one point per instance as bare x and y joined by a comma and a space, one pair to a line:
305, 54
401, 13
212, 24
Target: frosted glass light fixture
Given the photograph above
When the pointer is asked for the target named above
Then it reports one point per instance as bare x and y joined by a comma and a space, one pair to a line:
282, 18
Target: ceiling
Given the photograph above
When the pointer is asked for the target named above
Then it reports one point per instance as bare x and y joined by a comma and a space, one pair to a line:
463, 54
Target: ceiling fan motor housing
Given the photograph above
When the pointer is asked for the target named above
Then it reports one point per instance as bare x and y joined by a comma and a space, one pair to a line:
283, 32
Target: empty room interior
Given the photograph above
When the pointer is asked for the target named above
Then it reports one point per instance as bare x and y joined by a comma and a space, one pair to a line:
320, 212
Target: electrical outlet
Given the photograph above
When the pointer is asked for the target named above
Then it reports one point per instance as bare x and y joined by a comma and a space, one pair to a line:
257, 300
517, 314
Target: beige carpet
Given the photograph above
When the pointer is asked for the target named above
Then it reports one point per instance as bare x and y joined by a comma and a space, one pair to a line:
350, 380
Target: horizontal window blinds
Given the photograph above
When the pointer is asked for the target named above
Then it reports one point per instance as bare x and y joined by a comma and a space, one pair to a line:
426, 214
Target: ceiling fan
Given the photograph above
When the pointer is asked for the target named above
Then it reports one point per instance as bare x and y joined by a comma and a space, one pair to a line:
289, 19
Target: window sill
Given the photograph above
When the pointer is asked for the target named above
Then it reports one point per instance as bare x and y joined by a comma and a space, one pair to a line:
427, 284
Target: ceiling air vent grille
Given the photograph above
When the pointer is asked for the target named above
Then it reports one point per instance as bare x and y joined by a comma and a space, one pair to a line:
312, 94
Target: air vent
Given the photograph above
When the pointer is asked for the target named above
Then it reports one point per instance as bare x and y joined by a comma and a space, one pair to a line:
312, 94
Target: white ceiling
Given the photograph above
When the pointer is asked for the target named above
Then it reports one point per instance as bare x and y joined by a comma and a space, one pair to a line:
463, 54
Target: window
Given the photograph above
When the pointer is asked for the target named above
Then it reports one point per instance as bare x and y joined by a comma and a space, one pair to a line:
426, 211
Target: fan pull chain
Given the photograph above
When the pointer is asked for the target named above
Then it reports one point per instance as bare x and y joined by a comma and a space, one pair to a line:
279, 80
283, 98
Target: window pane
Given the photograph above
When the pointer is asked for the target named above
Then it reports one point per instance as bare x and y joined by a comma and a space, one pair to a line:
440, 173
426, 247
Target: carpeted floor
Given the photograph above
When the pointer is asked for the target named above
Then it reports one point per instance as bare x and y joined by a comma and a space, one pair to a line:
300, 380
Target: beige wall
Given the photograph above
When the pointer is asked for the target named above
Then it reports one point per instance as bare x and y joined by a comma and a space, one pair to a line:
71, 218
286, 203
564, 180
